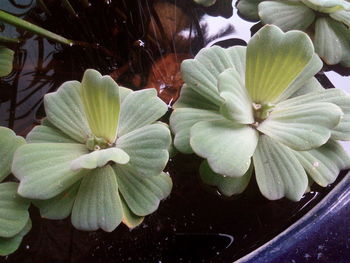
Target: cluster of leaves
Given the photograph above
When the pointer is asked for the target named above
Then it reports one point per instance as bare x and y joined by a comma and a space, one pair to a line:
99, 155
327, 22
260, 108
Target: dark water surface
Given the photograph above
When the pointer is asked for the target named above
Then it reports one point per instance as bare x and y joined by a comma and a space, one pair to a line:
141, 44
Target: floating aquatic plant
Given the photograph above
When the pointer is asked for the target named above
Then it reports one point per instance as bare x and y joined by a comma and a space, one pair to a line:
259, 108
6, 61
327, 22
14, 216
99, 155
205, 2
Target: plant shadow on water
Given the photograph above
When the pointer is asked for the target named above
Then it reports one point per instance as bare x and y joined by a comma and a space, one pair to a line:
141, 45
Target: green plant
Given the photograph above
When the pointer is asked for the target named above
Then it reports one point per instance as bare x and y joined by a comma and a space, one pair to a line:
14, 216
260, 108
99, 155
327, 22
6, 61
205, 2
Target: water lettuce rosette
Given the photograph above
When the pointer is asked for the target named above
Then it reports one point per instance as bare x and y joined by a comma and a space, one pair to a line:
326, 21
259, 108
14, 215
98, 156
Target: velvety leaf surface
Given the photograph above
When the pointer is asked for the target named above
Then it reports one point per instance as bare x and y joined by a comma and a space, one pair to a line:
336, 96
60, 206
249, 8
277, 170
10, 245
9, 143
327, 6
98, 204
311, 85
64, 109
237, 105
286, 15
205, 2
142, 194
101, 102
226, 185
44, 168
302, 127
147, 148
46, 134
274, 60
129, 218
139, 109
13, 210
6, 61
226, 145
100, 158
324, 163
181, 121
341, 16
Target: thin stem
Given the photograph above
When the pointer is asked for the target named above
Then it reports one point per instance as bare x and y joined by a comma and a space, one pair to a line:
43, 6
20, 23
4, 39
66, 4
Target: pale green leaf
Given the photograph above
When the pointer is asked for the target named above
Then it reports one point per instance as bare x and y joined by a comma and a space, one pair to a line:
148, 148
64, 109
98, 204
249, 8
44, 168
205, 2
226, 185
312, 85
129, 218
6, 61
327, 43
140, 108
101, 102
335, 96
327, 6
142, 194
341, 16
10, 245
226, 145
13, 210
237, 105
278, 172
44, 134
324, 163
9, 143
274, 60
181, 121
302, 127
287, 15
60, 206
100, 158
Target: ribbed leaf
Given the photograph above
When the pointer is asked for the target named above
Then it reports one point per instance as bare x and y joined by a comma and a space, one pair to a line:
98, 204
64, 110
286, 15
341, 16
274, 60
129, 218
45, 134
324, 163
10, 245
227, 185
327, 6
99, 159
227, 146
44, 168
9, 143
6, 61
147, 148
249, 8
101, 102
60, 206
336, 96
142, 194
278, 172
140, 108
13, 210
181, 122
237, 105
302, 127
